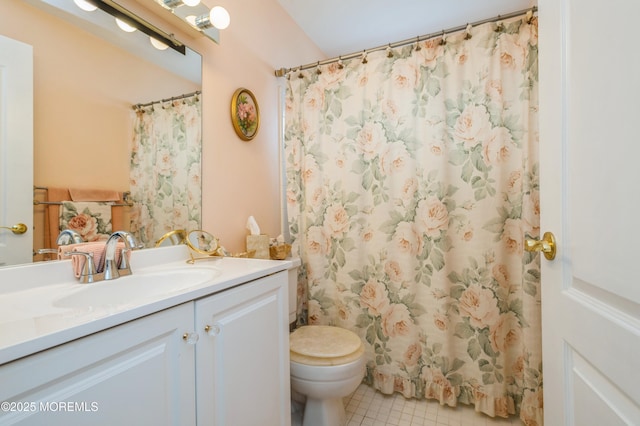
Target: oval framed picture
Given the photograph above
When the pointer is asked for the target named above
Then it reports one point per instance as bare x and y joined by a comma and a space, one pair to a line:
245, 114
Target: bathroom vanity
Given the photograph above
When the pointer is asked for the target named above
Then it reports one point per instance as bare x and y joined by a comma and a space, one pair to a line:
213, 350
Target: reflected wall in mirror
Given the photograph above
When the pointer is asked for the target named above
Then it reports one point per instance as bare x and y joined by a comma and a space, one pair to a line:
85, 84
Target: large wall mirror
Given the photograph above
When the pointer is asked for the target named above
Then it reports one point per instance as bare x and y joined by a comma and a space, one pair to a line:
87, 76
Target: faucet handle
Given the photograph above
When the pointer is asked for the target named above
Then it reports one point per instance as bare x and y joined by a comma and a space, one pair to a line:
124, 258
125, 262
88, 273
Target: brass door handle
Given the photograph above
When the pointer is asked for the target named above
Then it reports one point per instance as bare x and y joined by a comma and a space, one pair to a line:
18, 228
547, 245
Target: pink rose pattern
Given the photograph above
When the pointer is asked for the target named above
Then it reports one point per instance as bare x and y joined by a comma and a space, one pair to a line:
420, 250
92, 223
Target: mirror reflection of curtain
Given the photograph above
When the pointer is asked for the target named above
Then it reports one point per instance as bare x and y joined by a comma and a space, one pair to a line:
412, 181
165, 173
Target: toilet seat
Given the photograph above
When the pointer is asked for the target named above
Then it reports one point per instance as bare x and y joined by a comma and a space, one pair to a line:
324, 345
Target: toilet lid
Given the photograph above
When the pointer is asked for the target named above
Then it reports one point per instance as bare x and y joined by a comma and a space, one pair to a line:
324, 345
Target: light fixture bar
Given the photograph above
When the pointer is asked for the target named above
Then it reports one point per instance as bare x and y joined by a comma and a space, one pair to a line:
124, 15
170, 4
189, 14
203, 22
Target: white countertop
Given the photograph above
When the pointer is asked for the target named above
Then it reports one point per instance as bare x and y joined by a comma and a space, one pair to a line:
33, 319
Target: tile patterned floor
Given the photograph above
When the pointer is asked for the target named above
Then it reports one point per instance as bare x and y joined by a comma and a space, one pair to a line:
366, 407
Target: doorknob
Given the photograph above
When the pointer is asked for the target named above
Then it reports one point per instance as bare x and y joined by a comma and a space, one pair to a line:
18, 228
547, 245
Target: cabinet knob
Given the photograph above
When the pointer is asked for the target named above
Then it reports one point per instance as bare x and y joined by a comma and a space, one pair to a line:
213, 330
190, 338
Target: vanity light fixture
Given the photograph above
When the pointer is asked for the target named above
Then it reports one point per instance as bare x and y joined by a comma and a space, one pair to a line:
218, 18
171, 4
84, 5
124, 26
207, 22
158, 44
125, 19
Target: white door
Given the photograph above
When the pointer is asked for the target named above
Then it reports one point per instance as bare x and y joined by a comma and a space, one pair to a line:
590, 189
16, 151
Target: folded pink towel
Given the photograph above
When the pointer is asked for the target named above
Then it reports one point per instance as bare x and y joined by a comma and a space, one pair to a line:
94, 195
77, 261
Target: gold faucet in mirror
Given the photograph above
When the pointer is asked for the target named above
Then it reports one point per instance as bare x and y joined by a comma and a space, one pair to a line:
172, 238
206, 244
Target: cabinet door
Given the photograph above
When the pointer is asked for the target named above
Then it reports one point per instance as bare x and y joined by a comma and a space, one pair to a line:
141, 373
242, 358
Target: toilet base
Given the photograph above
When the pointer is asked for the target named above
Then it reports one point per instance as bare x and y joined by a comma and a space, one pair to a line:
324, 412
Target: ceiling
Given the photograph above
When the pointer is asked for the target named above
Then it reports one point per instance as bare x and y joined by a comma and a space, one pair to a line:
341, 27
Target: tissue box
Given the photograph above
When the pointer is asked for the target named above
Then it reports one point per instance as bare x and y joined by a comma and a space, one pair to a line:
259, 243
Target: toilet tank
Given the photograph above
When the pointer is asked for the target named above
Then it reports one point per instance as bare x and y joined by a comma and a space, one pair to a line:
293, 288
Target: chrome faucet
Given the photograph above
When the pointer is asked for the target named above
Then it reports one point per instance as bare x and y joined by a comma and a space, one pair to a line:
88, 274
69, 236
112, 270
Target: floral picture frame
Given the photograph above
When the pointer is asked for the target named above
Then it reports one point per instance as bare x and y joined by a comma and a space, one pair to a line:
245, 114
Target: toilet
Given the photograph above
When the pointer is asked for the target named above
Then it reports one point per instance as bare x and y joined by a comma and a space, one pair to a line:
327, 363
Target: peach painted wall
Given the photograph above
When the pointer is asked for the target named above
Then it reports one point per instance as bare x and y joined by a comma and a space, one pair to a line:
239, 178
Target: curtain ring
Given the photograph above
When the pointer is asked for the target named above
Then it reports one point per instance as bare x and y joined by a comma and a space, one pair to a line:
389, 51
418, 43
468, 32
443, 39
340, 65
300, 75
364, 57
499, 26
318, 70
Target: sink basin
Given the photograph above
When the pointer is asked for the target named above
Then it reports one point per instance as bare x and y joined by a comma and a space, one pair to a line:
135, 287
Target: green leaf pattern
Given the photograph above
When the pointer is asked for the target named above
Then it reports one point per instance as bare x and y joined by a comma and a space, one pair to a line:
412, 182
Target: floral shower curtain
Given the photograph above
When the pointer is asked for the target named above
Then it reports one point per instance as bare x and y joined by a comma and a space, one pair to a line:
165, 171
412, 182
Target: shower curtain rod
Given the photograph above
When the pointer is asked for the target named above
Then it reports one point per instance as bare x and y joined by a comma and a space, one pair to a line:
175, 98
284, 71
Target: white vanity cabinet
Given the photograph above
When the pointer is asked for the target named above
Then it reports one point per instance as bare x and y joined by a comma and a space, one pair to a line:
139, 373
242, 357
214, 359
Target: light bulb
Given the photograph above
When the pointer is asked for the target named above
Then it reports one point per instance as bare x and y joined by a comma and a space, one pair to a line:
219, 17
191, 2
84, 5
124, 26
158, 44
